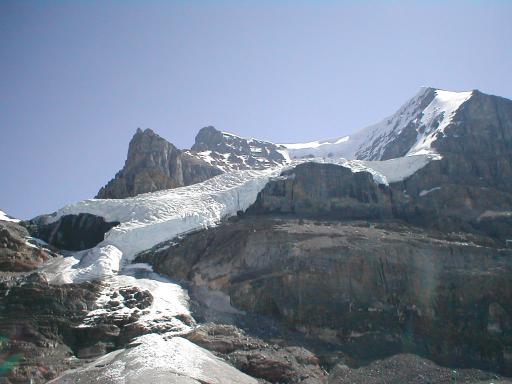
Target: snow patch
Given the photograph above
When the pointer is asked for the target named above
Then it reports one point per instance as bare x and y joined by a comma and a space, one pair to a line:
425, 192
170, 301
157, 359
386, 171
436, 117
5, 217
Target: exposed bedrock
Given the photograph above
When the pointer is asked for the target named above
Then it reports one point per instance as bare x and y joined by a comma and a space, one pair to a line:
372, 290
258, 153
71, 232
38, 324
329, 190
17, 254
154, 164
46, 329
471, 187
433, 197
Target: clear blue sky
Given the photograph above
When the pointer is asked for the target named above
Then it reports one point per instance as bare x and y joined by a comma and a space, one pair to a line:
78, 77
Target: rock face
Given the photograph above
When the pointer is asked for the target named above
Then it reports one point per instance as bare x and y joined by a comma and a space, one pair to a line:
311, 189
154, 164
411, 369
398, 141
430, 198
17, 254
257, 358
470, 188
230, 152
71, 232
38, 324
370, 289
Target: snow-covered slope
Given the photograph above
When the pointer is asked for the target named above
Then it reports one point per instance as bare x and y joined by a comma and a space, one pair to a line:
157, 359
410, 131
230, 152
151, 218
5, 217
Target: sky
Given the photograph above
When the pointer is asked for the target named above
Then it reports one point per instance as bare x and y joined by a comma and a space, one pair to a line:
78, 77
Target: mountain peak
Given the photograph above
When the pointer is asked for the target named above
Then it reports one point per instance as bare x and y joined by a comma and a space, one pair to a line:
147, 132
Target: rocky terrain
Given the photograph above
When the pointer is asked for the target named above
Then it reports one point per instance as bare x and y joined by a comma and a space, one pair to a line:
293, 265
19, 253
229, 152
370, 289
154, 164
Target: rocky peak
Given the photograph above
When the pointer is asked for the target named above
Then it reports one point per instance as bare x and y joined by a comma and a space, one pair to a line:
411, 130
147, 149
154, 164
229, 152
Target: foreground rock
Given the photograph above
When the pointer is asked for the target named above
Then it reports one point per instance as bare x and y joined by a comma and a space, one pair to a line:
371, 289
266, 361
410, 369
156, 359
230, 152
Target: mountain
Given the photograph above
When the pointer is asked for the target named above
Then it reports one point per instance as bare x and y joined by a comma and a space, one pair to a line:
410, 131
154, 164
424, 126
382, 256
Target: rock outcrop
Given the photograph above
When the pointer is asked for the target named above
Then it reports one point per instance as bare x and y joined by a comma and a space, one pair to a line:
17, 253
431, 198
71, 232
329, 190
154, 164
230, 152
370, 289
265, 361
38, 324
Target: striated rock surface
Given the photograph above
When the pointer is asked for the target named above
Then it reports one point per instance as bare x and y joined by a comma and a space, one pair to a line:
370, 289
154, 164
432, 197
38, 324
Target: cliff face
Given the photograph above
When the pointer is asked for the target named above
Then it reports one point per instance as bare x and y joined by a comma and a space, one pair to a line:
330, 190
470, 188
369, 289
154, 164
